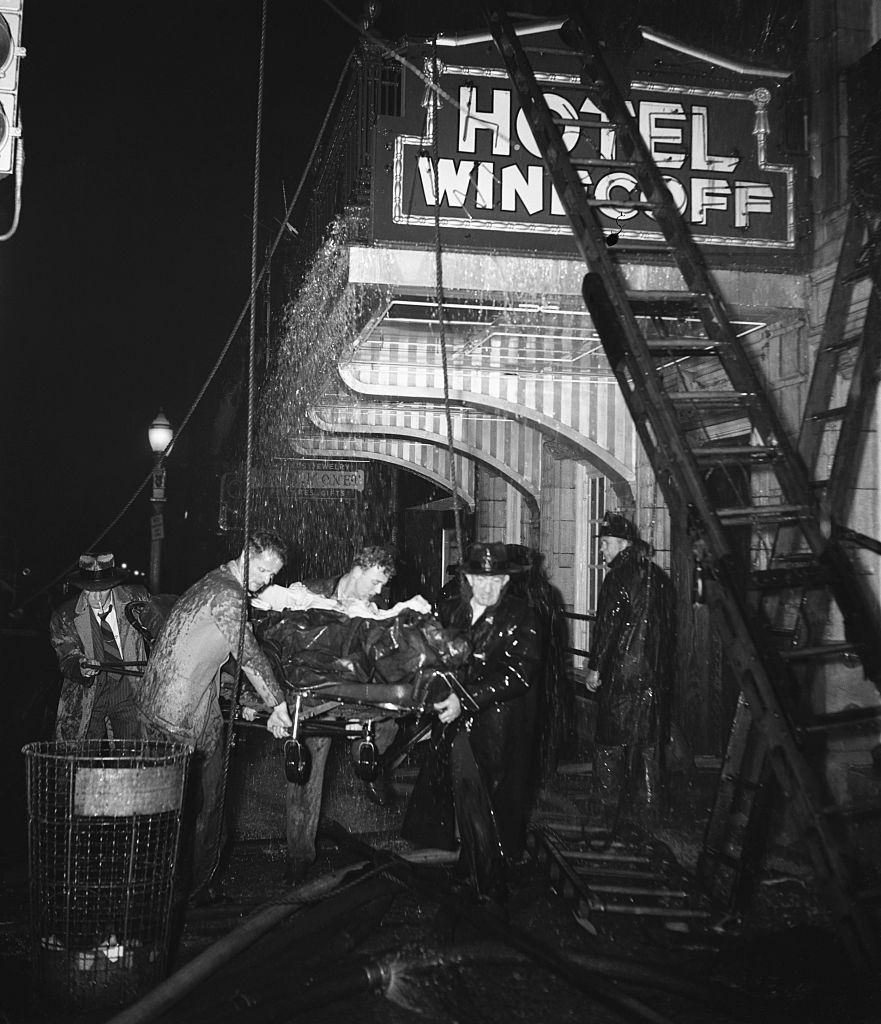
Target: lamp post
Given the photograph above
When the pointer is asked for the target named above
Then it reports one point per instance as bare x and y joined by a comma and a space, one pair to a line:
160, 435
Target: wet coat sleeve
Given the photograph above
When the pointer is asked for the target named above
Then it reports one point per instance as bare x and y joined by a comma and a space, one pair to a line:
613, 609
68, 646
226, 612
505, 663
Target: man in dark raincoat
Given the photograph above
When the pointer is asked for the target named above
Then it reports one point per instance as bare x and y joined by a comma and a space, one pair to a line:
91, 631
477, 776
630, 668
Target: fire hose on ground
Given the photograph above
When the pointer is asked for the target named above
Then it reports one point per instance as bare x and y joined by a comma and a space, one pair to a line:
398, 868
211, 960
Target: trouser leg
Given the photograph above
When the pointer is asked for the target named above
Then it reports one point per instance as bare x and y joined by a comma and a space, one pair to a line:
386, 730
114, 705
97, 727
646, 783
122, 711
608, 778
627, 782
209, 834
303, 808
481, 858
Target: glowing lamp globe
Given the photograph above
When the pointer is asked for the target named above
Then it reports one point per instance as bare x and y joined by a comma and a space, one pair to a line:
160, 433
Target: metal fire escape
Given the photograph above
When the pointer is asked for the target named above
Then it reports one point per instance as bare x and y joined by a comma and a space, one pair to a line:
685, 374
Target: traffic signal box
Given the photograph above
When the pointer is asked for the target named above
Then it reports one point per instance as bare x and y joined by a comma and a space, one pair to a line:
11, 52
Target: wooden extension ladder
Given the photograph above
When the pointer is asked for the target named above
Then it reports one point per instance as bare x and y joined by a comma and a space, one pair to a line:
831, 441
688, 380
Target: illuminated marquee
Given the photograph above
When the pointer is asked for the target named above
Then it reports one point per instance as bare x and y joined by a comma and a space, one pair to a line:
710, 145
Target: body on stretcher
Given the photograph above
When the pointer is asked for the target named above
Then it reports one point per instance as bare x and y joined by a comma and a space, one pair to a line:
405, 638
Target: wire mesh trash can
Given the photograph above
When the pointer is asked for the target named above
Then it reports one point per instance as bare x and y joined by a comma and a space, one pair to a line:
104, 830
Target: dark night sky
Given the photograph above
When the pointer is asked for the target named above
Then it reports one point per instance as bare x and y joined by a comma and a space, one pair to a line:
132, 259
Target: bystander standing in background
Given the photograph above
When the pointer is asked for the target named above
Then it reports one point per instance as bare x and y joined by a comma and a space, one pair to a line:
94, 643
630, 668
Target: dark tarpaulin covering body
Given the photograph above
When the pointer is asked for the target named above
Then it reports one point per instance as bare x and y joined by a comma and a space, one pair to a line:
318, 646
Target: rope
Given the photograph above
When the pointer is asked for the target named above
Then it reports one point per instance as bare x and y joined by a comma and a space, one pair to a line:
249, 438
223, 352
439, 292
19, 181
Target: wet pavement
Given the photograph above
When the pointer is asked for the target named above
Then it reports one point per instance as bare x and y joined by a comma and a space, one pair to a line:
400, 943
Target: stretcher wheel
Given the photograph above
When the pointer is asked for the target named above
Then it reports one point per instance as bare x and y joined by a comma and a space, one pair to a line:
297, 762
366, 761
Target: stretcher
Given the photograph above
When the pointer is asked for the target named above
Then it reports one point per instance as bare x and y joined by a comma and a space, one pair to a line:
350, 711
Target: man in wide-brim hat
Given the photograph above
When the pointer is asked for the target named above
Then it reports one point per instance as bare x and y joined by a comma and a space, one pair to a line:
91, 636
486, 731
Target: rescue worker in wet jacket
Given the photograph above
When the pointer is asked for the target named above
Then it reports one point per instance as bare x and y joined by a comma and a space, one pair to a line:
630, 667
179, 698
477, 776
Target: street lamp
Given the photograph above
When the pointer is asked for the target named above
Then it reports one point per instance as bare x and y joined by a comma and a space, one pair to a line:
160, 435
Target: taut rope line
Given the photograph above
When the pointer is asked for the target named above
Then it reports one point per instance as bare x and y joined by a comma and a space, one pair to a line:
249, 440
439, 289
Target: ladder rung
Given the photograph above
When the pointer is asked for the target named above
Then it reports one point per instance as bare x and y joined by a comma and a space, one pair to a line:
842, 719
622, 204
743, 451
665, 300
639, 890
818, 651
580, 122
598, 161
591, 855
830, 414
811, 577
664, 345
842, 344
637, 911
623, 874
579, 831
707, 397
753, 513
806, 557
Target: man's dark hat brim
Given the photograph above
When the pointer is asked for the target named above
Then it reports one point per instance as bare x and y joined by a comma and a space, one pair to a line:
615, 524
490, 560
102, 579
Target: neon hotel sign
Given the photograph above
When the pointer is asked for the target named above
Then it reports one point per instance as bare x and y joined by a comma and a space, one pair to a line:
710, 145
